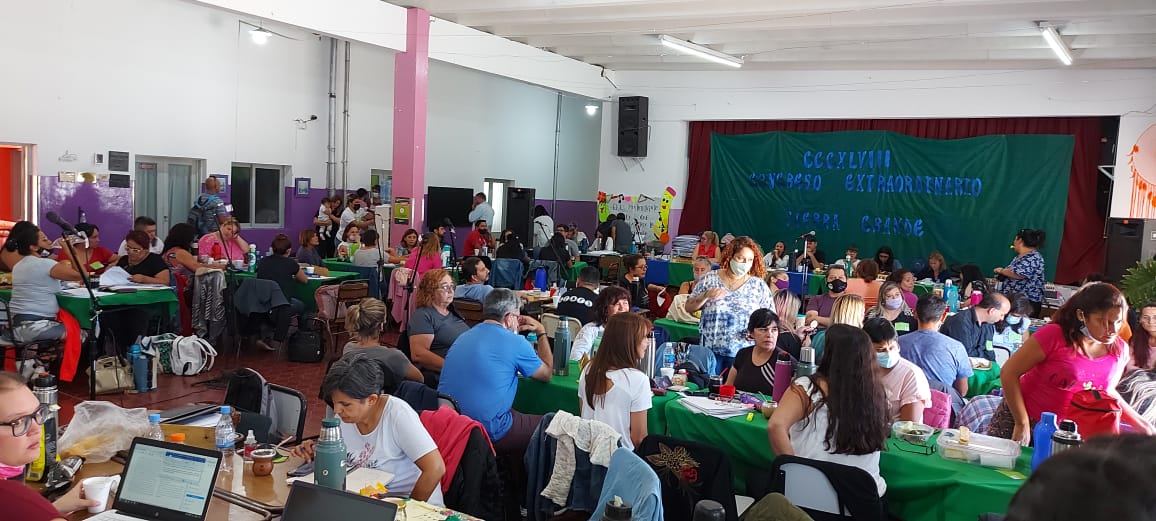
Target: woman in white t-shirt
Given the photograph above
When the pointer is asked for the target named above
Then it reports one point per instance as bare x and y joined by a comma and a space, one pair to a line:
610, 301
839, 414
381, 431
611, 389
908, 392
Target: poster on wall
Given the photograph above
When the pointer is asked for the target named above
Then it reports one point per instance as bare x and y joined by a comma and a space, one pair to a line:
400, 210
1142, 173
648, 216
117, 161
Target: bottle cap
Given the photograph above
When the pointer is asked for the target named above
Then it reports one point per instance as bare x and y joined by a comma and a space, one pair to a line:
225, 409
618, 509
330, 423
177, 437
1068, 425
44, 380
155, 418
250, 436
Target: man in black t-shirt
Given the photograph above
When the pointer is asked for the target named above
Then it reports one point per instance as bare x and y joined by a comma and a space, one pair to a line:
579, 302
285, 271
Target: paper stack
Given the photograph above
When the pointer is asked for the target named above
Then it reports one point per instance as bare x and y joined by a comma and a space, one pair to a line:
711, 407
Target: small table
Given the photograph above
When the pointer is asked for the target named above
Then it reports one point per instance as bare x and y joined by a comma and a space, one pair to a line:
80, 307
305, 291
676, 331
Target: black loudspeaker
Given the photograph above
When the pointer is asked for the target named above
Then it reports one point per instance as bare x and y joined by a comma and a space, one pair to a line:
1129, 241
520, 204
633, 125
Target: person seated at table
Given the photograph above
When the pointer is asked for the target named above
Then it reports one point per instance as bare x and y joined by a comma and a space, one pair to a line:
634, 280
409, 242
435, 324
611, 389
579, 238
791, 332
906, 281
754, 369
610, 301
885, 258
839, 414
1080, 349
481, 370
936, 270
556, 250
974, 327
819, 307
365, 322
145, 224
380, 431
308, 252
942, 358
1015, 328
227, 241
812, 257
285, 271
142, 265
736, 290
852, 252
579, 302
479, 241
777, 258
971, 279
908, 392
178, 251
866, 282
848, 309
708, 247
350, 242
571, 246
778, 279
511, 248
698, 269
429, 256
94, 257
21, 419
892, 307
35, 281
1143, 342
368, 255
476, 274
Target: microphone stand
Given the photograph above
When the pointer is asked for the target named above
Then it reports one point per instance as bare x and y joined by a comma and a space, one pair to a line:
95, 310
409, 285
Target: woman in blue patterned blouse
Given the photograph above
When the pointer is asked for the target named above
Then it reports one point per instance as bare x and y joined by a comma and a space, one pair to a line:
1025, 273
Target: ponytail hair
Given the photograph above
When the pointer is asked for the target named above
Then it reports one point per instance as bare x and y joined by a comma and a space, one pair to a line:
365, 318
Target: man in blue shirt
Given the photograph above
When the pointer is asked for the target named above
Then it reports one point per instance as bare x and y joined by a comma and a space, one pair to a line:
476, 275
942, 358
483, 365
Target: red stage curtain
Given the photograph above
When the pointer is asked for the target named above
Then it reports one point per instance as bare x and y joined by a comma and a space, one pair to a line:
1081, 247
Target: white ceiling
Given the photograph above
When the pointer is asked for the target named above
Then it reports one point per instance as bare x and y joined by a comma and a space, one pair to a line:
820, 34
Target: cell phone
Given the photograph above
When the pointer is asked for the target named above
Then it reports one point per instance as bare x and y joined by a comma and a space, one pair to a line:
304, 470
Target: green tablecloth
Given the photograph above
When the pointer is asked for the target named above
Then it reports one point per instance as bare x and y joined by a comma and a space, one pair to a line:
80, 307
680, 272
982, 381
338, 265
919, 487
561, 393
677, 331
574, 270
304, 292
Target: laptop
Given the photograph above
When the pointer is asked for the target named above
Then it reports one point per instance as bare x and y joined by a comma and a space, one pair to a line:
164, 481
309, 502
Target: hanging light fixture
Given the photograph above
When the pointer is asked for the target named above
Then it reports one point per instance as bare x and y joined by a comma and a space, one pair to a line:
260, 36
591, 109
700, 51
1052, 36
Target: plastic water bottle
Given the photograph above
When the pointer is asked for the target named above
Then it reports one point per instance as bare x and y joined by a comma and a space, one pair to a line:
445, 255
951, 295
250, 446
594, 346
532, 338
226, 438
252, 259
847, 263
562, 348
668, 357
329, 460
155, 432
1042, 438
140, 368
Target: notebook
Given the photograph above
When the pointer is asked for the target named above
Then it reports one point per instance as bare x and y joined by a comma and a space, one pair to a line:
309, 502
164, 482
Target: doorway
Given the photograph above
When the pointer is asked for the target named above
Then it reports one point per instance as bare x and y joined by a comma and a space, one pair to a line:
166, 188
17, 203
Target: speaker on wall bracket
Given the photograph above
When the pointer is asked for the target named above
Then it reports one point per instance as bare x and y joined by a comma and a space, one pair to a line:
633, 126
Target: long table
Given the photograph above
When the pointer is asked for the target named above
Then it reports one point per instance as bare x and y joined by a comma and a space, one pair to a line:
919, 487
676, 331
670, 272
305, 291
81, 308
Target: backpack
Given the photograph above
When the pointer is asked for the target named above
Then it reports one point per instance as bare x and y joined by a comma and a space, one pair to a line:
197, 213
191, 355
305, 346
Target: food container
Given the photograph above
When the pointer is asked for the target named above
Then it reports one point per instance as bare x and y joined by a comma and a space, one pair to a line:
987, 451
912, 432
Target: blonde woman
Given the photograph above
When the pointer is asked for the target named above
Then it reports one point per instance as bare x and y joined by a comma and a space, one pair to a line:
893, 307
936, 269
365, 322
790, 330
708, 247
848, 309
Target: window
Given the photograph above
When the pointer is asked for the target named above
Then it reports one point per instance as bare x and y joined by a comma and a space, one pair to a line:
258, 194
495, 190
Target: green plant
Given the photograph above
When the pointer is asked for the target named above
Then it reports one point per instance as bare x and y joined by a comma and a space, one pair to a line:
1139, 284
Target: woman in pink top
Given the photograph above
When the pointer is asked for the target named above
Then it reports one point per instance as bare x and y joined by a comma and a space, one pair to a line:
1080, 347
428, 258
234, 247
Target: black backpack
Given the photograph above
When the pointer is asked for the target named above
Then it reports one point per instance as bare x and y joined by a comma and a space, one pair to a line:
306, 345
196, 215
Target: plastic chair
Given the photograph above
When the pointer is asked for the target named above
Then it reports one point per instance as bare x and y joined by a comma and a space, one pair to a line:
348, 292
805, 482
550, 321
1002, 354
287, 410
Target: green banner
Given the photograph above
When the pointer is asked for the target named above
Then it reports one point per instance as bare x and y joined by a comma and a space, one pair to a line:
966, 198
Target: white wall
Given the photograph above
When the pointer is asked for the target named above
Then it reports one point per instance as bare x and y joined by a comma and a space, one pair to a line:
679, 97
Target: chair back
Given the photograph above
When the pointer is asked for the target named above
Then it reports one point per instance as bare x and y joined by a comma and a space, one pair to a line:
1002, 354
611, 266
470, 310
507, 273
287, 410
550, 321
372, 277
630, 478
419, 396
826, 490
553, 270
352, 291
689, 472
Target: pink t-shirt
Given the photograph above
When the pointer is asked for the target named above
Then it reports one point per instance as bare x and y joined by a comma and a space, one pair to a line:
868, 290
424, 264
905, 384
1049, 386
205, 247
910, 298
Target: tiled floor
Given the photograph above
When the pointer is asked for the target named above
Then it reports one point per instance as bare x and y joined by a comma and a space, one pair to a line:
174, 391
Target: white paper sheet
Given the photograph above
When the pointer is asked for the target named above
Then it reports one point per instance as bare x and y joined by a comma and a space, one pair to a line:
114, 276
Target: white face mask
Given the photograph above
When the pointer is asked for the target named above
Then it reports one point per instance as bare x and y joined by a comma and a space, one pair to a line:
740, 268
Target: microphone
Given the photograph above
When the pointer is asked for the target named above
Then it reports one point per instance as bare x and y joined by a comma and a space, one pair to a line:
54, 218
808, 234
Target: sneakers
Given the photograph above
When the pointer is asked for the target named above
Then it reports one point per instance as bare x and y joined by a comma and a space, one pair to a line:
261, 343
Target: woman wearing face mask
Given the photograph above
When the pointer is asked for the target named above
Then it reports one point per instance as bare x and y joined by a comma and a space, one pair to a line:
1080, 347
777, 259
906, 281
700, 268
908, 392
736, 290
1014, 329
754, 369
892, 307
610, 301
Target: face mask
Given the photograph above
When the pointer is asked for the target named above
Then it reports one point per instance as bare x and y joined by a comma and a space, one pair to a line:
887, 359
740, 268
893, 303
837, 286
1013, 320
7, 472
698, 277
783, 284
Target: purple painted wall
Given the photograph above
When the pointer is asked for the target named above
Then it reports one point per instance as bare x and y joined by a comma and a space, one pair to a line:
110, 209
582, 213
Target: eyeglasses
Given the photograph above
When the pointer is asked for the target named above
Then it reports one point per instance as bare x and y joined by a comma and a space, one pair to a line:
134, 250
446, 287
21, 425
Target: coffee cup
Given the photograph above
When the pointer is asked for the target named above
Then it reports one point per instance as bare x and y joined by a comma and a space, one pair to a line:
263, 461
667, 372
309, 270
99, 488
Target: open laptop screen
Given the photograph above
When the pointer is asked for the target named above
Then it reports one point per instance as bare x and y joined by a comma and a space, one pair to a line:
309, 502
167, 481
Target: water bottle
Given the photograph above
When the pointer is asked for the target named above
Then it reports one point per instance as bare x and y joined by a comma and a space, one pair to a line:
226, 438
806, 365
445, 255
44, 387
783, 378
532, 338
1066, 437
252, 259
847, 264
1042, 436
216, 251
329, 458
540, 279
562, 348
951, 295
155, 432
668, 358
140, 368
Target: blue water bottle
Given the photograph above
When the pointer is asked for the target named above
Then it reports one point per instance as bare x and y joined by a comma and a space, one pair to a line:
140, 368
951, 296
1042, 438
540, 279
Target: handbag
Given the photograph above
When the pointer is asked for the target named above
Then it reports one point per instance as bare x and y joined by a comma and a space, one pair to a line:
113, 375
1095, 413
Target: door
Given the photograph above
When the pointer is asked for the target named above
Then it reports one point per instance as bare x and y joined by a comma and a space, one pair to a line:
166, 188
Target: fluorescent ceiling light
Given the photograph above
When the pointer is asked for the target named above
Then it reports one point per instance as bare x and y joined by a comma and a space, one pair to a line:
1056, 43
591, 109
259, 36
705, 53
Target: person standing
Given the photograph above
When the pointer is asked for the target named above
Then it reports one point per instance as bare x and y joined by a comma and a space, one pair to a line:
621, 236
354, 215
1025, 273
327, 225
214, 211
481, 210
543, 228
725, 295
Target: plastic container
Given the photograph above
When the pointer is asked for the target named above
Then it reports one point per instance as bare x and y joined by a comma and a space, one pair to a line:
912, 432
951, 295
987, 451
140, 368
155, 432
